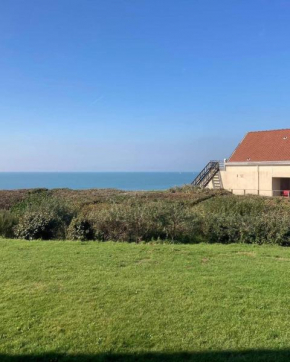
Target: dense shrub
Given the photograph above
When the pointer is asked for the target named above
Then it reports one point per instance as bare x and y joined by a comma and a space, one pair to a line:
263, 229
181, 223
127, 221
9, 198
144, 222
269, 228
232, 205
80, 229
195, 190
37, 225
45, 201
42, 217
220, 228
7, 224
182, 214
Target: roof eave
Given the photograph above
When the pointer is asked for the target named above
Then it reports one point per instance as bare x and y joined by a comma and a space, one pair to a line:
255, 163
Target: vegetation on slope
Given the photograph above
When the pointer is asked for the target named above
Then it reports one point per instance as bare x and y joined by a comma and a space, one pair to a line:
184, 215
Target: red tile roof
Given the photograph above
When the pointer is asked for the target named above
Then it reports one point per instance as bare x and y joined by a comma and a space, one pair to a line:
263, 146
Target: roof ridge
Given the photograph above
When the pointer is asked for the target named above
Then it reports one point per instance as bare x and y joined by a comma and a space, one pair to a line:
256, 146
271, 130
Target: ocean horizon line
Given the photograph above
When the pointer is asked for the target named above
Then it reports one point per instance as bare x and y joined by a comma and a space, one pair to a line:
98, 172
123, 180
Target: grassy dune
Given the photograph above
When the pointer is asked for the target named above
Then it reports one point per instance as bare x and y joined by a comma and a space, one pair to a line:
62, 301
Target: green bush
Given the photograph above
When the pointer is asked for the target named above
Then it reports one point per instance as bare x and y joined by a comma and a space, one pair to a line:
42, 216
186, 215
80, 229
7, 224
180, 223
269, 228
44, 201
220, 228
145, 221
235, 205
125, 222
37, 225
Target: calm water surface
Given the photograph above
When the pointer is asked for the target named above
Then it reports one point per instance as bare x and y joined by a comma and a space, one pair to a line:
88, 180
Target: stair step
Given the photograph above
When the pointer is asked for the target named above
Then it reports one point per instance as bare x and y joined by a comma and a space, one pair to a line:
207, 174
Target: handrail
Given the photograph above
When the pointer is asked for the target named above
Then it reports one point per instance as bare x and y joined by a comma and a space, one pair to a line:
206, 174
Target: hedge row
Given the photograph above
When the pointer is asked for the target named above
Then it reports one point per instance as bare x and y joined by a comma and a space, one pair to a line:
223, 219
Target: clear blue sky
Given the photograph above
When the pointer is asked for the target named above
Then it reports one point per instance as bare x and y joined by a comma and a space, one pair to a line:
138, 85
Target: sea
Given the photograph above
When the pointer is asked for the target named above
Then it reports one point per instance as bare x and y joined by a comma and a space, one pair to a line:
90, 180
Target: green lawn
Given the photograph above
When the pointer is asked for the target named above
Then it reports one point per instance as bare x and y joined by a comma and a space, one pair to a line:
63, 301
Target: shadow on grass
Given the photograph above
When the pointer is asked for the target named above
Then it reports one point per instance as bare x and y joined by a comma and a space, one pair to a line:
228, 356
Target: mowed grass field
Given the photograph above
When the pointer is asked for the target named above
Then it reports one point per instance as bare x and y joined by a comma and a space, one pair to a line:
63, 301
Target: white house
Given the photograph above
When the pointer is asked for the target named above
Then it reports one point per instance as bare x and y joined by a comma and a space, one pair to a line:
259, 165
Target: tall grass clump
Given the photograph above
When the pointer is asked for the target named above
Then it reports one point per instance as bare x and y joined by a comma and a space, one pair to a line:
8, 221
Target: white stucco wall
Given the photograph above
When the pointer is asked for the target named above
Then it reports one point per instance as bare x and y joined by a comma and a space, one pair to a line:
253, 178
